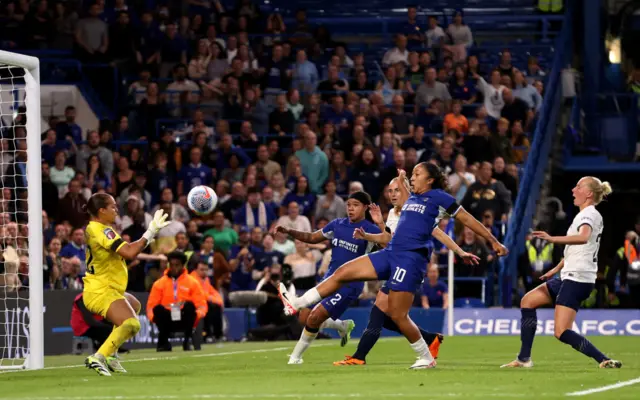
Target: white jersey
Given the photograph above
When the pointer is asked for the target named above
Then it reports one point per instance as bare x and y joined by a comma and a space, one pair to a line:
581, 261
392, 220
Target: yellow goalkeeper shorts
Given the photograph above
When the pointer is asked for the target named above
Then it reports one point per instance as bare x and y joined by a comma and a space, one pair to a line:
99, 303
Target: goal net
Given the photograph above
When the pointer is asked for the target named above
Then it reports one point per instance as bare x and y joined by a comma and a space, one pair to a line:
21, 251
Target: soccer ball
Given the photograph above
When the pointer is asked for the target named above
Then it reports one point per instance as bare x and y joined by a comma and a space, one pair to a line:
202, 200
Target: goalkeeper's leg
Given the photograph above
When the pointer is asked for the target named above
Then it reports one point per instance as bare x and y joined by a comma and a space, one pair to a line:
121, 313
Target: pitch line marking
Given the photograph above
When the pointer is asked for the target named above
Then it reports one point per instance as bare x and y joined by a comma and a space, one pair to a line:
605, 388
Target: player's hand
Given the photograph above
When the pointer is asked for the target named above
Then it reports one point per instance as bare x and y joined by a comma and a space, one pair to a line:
542, 235
158, 222
376, 214
280, 229
469, 259
359, 233
402, 174
500, 250
548, 275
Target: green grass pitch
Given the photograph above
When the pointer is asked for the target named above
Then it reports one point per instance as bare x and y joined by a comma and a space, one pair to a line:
468, 368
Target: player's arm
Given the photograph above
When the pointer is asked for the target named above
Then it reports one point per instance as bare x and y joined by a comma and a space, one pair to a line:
553, 271
584, 233
447, 241
378, 238
404, 186
469, 221
130, 251
307, 237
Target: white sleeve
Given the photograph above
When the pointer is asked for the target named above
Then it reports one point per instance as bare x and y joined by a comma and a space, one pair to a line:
589, 217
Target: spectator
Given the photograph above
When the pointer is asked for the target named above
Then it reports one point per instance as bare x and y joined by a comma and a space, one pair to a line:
182, 91
366, 170
455, 119
301, 195
199, 64
134, 206
293, 219
76, 249
254, 213
303, 262
515, 109
412, 29
519, 142
500, 174
265, 167
276, 73
281, 120
92, 36
226, 149
526, 92
69, 273
460, 179
235, 201
304, 73
333, 85
280, 190
242, 262
534, 71
402, 121
178, 211
176, 293
137, 188
314, 163
123, 34
93, 146
50, 194
472, 244
223, 237
492, 93
431, 89
294, 105
398, 54
193, 174
166, 238
255, 111
218, 63
434, 291
97, 180
72, 205
500, 143
435, 33
330, 206
487, 193
215, 304
173, 50
65, 20
505, 67
248, 140
61, 174
215, 261
69, 128
461, 37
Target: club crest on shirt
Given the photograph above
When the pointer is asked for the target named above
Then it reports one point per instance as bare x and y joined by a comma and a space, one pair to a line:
109, 233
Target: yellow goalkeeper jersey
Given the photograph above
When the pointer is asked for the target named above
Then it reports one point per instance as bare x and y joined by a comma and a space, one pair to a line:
106, 270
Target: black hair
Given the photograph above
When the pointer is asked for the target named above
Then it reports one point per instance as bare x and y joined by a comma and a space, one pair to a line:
439, 178
364, 198
177, 255
96, 202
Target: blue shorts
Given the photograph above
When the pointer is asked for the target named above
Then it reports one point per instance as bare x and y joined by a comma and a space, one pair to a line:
569, 293
404, 271
338, 303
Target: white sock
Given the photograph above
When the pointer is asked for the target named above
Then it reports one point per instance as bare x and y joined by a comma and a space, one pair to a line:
336, 324
303, 344
422, 350
309, 298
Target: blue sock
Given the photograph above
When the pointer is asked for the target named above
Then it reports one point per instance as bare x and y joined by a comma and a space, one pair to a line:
427, 336
528, 325
580, 343
371, 334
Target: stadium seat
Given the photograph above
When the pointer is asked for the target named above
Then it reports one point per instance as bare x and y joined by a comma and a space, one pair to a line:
469, 302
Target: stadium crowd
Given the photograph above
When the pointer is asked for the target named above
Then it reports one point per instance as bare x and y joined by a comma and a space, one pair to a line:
282, 121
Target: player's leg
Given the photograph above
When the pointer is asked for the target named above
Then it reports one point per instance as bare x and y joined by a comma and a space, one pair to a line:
536, 298
122, 315
314, 320
371, 333
569, 298
135, 303
400, 303
360, 269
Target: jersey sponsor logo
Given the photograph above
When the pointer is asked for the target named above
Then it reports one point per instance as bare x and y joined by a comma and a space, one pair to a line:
414, 207
345, 245
109, 233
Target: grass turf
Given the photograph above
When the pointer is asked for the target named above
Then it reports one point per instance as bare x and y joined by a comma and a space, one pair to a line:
468, 368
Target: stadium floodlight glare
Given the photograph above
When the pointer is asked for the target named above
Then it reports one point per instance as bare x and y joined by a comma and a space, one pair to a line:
21, 282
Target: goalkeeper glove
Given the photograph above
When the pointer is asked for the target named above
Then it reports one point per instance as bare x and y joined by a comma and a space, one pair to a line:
159, 221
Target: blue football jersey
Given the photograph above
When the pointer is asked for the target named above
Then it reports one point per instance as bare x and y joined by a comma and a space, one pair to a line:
344, 247
420, 215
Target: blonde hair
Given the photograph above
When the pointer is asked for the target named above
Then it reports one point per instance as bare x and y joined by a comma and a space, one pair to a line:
405, 182
599, 189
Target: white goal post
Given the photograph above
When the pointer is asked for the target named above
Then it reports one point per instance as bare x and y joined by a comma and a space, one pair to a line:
21, 318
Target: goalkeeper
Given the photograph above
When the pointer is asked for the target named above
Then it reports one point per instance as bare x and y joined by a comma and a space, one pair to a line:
106, 278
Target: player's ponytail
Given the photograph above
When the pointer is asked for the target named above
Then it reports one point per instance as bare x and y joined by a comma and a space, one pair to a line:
600, 189
96, 202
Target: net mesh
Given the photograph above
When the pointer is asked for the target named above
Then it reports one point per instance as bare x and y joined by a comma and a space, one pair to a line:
14, 246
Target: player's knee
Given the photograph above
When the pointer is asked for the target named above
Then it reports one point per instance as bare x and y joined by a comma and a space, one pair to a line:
527, 302
396, 314
132, 325
314, 320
